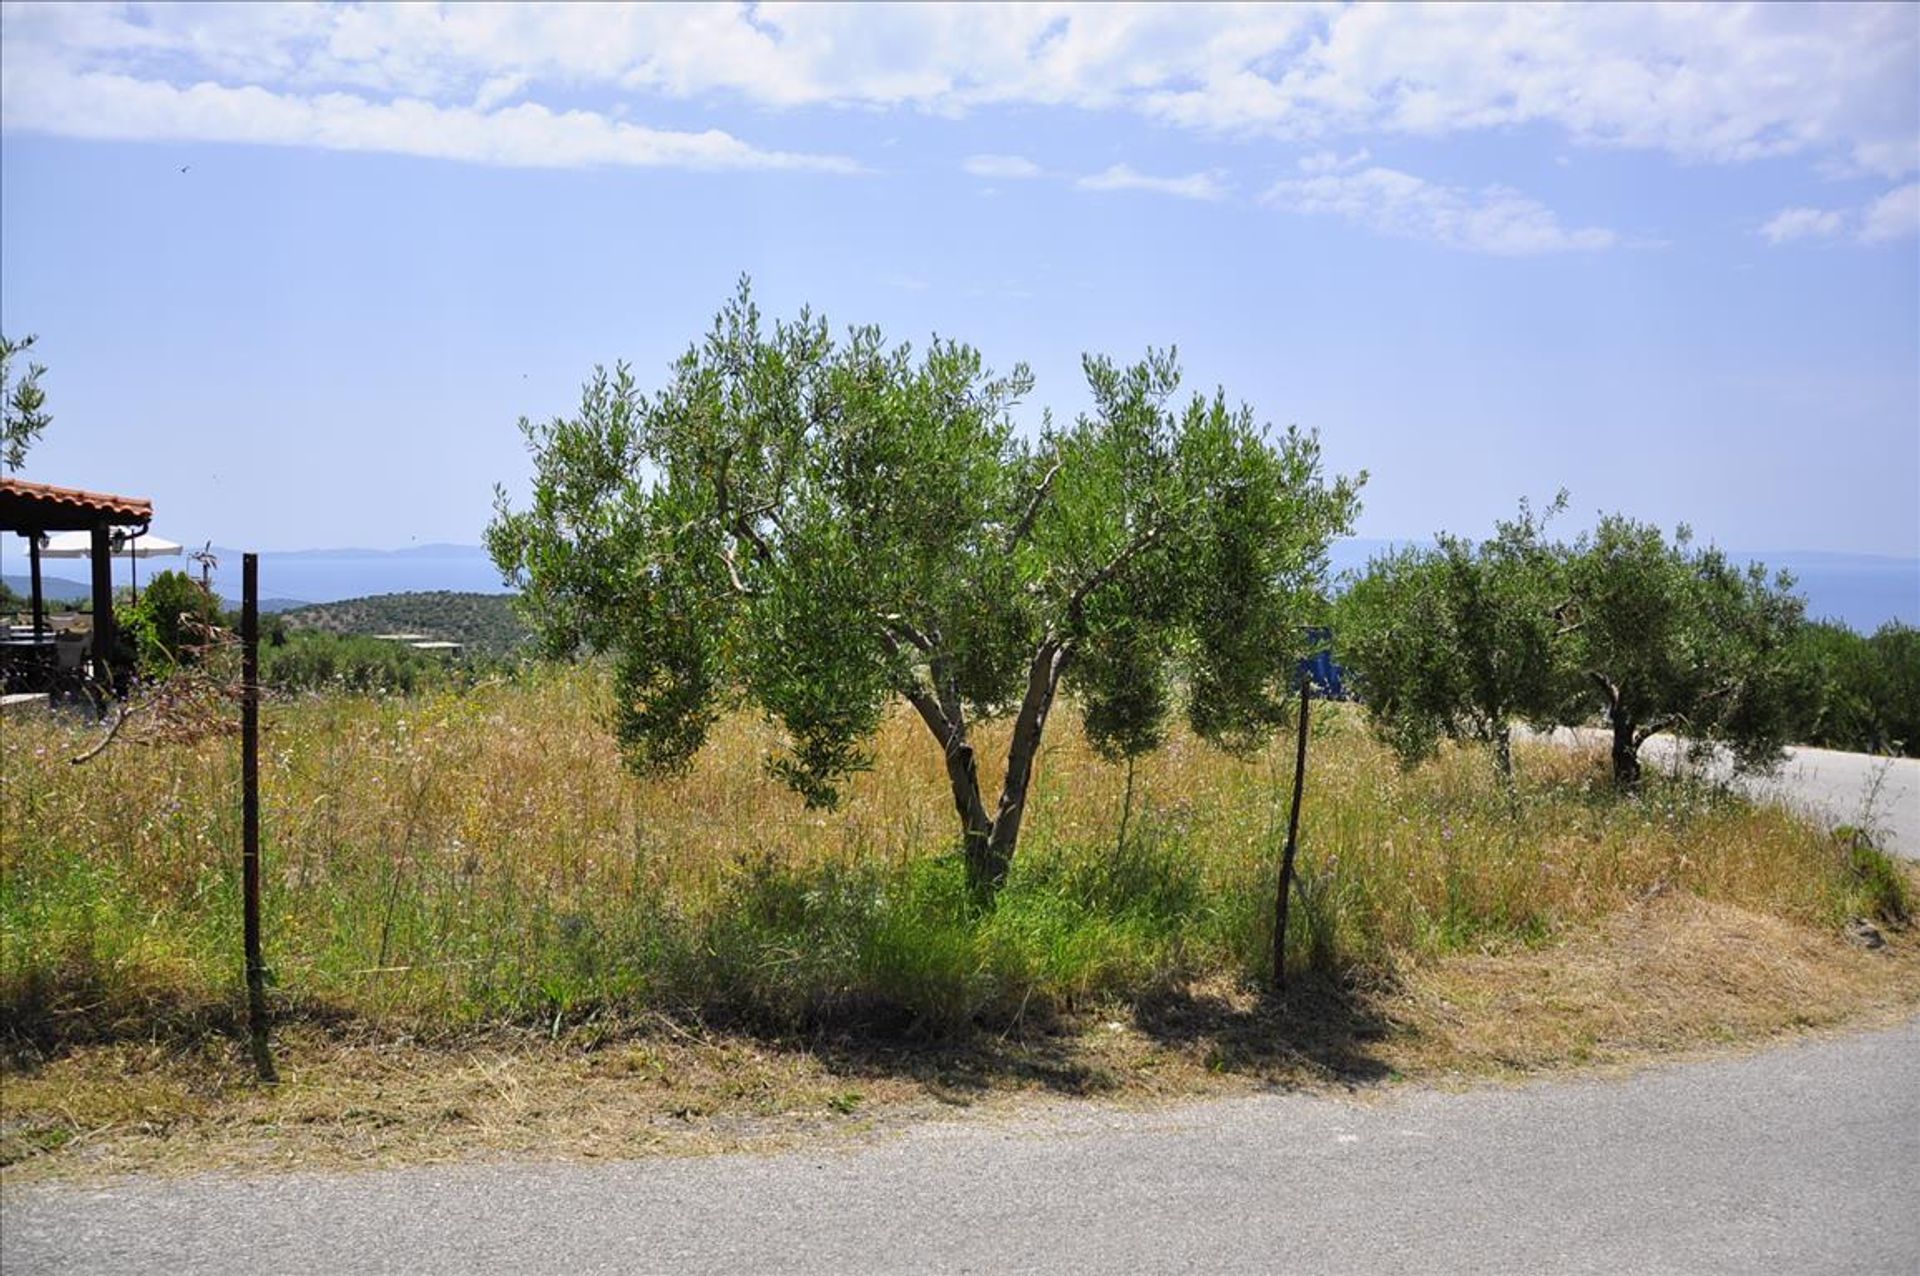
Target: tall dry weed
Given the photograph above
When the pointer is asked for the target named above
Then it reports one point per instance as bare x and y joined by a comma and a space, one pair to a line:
474, 854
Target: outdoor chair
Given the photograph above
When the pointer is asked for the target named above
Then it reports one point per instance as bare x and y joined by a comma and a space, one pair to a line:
70, 649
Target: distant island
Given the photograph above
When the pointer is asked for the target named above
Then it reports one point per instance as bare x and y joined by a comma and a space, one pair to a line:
333, 575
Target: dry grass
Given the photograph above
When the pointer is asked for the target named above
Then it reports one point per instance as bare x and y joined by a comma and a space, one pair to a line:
490, 940
1674, 976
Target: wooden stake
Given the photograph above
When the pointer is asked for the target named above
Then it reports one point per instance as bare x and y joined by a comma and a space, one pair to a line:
1293, 833
250, 813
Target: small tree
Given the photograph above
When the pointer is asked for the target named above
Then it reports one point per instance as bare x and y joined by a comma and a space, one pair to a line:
1838, 688
1678, 639
174, 618
1896, 649
815, 527
23, 415
1857, 692
1459, 641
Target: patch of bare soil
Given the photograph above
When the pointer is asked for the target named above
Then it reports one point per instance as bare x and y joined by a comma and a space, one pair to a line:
1672, 977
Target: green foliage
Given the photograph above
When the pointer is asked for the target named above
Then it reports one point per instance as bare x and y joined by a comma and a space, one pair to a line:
485, 624
174, 618
820, 526
1676, 638
1896, 650
477, 856
1879, 886
23, 414
312, 661
1858, 693
1460, 640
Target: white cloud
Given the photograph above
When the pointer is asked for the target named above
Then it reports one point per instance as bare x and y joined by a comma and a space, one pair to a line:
1001, 166
1333, 161
1717, 83
499, 89
99, 105
1122, 177
1895, 215
1495, 220
1802, 223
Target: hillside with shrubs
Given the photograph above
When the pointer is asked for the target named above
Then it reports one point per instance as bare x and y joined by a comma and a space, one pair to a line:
485, 624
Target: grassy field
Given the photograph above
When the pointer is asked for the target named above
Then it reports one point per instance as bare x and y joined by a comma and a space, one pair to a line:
474, 865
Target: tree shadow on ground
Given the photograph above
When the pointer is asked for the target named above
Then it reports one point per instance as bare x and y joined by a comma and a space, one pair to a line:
1322, 1031
963, 1069
42, 1020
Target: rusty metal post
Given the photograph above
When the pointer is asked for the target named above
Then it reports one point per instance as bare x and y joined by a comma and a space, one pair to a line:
250, 813
39, 596
105, 657
1293, 833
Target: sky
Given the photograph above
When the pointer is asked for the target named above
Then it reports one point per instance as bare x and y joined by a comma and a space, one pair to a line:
297, 271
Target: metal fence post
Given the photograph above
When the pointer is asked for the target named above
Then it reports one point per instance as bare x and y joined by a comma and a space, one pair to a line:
250, 812
1293, 833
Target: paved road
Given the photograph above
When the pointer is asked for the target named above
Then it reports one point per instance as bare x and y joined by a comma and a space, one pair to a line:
1848, 788
1830, 787
1804, 1159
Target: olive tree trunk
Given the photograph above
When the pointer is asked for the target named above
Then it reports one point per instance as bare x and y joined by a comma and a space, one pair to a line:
1043, 680
1627, 737
1503, 752
988, 842
1626, 753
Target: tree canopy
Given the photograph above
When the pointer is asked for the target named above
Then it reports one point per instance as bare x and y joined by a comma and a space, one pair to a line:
1674, 637
1858, 692
1458, 641
815, 527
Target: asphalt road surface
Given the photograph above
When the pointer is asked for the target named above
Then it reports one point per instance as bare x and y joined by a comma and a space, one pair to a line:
1827, 786
1803, 1159
1848, 788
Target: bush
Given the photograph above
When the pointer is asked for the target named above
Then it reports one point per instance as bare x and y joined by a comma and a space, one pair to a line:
1855, 692
1879, 887
312, 661
174, 619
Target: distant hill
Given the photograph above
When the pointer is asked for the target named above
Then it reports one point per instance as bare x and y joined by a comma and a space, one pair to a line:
484, 623
58, 589
51, 587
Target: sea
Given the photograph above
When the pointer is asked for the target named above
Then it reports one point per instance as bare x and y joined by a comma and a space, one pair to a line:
1863, 591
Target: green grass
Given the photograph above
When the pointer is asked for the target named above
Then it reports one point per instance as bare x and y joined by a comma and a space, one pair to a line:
475, 855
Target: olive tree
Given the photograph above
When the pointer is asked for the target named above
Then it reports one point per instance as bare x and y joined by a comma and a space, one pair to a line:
1459, 641
23, 415
815, 527
1857, 692
1677, 638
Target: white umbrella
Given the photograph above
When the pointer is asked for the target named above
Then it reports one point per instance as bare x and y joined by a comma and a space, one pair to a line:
80, 545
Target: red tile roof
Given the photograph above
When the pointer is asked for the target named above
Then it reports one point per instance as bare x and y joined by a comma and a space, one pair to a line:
42, 507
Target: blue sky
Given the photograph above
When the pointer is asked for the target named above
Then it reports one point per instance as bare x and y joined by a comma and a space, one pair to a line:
1665, 257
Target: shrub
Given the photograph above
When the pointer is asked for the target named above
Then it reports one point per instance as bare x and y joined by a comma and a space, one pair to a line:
174, 619
312, 661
